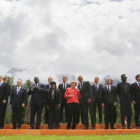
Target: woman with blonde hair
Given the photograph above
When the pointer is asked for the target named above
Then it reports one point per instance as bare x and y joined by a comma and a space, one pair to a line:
72, 95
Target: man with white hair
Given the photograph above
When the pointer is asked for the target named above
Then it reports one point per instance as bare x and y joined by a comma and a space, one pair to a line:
4, 92
17, 103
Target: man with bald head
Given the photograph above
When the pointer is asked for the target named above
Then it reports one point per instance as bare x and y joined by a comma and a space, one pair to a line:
4, 92
37, 101
17, 103
86, 101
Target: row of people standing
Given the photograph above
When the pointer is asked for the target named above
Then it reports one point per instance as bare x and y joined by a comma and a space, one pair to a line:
90, 97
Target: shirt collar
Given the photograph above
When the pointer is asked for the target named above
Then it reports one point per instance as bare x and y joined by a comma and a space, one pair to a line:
19, 87
138, 83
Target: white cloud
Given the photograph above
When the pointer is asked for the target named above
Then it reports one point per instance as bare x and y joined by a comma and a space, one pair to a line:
88, 37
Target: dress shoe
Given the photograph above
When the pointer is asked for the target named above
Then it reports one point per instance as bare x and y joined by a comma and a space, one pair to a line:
112, 128
129, 128
106, 127
123, 127
86, 127
92, 128
31, 128
13, 127
37, 127
19, 127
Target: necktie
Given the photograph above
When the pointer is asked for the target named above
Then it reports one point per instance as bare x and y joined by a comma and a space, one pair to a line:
64, 86
81, 85
139, 85
17, 90
53, 95
108, 89
96, 86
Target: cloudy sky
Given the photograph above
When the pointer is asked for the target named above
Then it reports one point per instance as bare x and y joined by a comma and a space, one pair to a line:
75, 37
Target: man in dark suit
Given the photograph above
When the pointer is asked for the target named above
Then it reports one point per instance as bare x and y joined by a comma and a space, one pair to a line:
62, 87
37, 101
86, 101
17, 103
96, 91
109, 101
124, 93
5, 105
4, 92
48, 86
136, 99
53, 103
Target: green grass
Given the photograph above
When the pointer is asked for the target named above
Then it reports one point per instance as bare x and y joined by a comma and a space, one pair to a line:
106, 137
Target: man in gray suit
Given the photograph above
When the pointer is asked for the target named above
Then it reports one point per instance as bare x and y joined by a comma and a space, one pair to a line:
86, 101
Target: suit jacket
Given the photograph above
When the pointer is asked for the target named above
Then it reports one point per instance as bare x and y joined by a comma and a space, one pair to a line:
37, 96
47, 86
62, 90
124, 93
75, 98
4, 91
86, 92
57, 97
18, 99
135, 92
109, 97
97, 92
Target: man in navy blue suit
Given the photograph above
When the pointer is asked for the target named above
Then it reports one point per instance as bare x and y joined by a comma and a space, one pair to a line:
37, 101
17, 103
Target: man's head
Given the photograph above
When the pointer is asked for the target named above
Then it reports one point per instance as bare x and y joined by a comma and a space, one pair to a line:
96, 79
108, 81
19, 82
50, 79
123, 78
64, 79
1, 78
36, 80
112, 81
53, 85
138, 77
80, 79
5, 79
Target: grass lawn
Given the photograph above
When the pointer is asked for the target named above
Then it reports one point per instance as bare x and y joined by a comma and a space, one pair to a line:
86, 137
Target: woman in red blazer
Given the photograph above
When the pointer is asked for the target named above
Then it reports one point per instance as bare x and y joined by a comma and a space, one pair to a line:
72, 95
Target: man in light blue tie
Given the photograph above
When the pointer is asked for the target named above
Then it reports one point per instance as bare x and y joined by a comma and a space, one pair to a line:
17, 103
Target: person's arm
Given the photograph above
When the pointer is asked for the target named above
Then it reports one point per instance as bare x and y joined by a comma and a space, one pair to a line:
118, 90
66, 94
6, 91
25, 97
79, 94
30, 91
132, 94
11, 98
59, 96
89, 91
115, 96
102, 97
